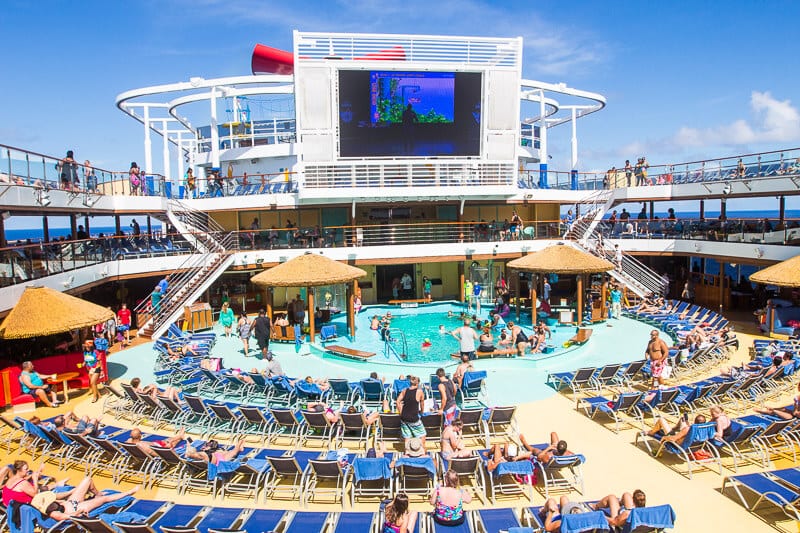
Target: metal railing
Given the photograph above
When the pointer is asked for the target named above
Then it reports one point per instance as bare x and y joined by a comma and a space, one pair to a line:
745, 230
252, 133
27, 168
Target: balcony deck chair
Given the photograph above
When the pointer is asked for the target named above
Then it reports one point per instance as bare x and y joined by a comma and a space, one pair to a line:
577, 381
500, 422
257, 423
470, 473
630, 374
766, 489
433, 424
353, 427
286, 475
490, 520
594, 522
561, 472
779, 437
247, 479
264, 520
742, 445
372, 477
473, 389
305, 522
661, 402
288, 424
626, 403
372, 392
504, 479
472, 425
354, 523
226, 420
135, 463
217, 518
342, 390
390, 426
325, 472
700, 437
650, 519
317, 427
606, 376
431, 526
415, 475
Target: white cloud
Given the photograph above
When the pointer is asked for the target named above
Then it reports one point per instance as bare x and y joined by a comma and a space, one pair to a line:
773, 121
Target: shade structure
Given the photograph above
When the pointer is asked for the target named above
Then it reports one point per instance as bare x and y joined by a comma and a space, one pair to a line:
44, 311
561, 259
309, 270
783, 274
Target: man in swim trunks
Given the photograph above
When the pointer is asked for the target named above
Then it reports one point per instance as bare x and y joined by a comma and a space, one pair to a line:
556, 448
147, 446
466, 337
410, 403
505, 453
657, 351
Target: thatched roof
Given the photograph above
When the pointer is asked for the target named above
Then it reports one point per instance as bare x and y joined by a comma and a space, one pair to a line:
309, 270
43, 311
784, 274
561, 259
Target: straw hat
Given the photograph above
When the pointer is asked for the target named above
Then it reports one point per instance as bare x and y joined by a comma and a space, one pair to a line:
414, 448
308, 270
561, 259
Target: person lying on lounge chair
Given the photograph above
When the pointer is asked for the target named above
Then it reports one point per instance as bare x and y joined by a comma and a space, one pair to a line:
146, 446
77, 503
171, 393
785, 413
676, 433
557, 447
552, 512
505, 453
620, 508
213, 453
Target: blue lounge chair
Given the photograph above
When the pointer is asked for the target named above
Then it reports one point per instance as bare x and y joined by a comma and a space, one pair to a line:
219, 518
650, 519
354, 523
303, 522
699, 439
498, 519
562, 471
767, 490
584, 522
263, 520
472, 388
178, 516
626, 403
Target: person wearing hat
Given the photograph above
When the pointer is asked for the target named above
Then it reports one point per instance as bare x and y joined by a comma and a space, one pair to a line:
414, 448
273, 366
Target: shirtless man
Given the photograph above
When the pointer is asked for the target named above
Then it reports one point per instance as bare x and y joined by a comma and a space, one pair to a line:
557, 447
147, 446
657, 351
620, 508
452, 445
506, 453
677, 433
464, 367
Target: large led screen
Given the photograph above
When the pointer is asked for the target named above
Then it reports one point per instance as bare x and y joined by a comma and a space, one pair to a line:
409, 114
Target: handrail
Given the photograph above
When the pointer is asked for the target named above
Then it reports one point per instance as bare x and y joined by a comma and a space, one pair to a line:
390, 339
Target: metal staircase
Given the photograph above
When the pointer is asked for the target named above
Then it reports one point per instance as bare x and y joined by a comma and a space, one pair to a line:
213, 255
586, 233
395, 338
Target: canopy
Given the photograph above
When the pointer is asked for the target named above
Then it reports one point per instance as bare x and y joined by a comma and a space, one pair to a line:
309, 270
44, 311
561, 259
784, 274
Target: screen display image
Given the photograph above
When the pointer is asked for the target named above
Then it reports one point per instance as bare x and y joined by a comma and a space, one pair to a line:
409, 114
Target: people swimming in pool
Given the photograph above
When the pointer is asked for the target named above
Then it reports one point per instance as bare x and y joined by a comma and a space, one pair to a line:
426, 343
375, 323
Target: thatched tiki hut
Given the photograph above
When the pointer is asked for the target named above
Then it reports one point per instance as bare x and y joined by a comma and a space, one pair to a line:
562, 259
783, 274
311, 270
43, 311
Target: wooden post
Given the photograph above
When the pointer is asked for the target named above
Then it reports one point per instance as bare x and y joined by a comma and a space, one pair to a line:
603, 296
580, 300
351, 312
721, 285
117, 226
46, 229
268, 298
73, 227
516, 291
310, 291
535, 280
461, 281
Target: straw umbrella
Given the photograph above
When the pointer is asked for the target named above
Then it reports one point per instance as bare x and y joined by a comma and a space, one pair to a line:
561, 259
312, 270
44, 311
783, 274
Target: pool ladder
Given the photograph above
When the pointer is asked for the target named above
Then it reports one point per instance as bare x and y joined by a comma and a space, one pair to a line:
395, 337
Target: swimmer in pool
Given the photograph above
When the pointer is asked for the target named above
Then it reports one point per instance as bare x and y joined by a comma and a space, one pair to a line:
375, 323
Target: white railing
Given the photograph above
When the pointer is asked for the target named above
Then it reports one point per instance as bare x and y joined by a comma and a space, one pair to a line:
495, 52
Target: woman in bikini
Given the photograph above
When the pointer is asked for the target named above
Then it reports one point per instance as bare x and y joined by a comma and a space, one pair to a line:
76, 503
398, 518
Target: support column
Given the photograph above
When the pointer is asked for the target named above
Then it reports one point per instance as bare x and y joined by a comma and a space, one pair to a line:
148, 145
461, 281
165, 153
2, 232
579, 319
117, 225
310, 310
351, 314
652, 209
782, 209
214, 131
721, 285
73, 227
723, 209
86, 225
534, 281
268, 299
603, 296
149, 227
46, 229
516, 292
702, 209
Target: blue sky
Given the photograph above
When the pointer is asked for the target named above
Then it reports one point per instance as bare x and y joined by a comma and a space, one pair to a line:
684, 80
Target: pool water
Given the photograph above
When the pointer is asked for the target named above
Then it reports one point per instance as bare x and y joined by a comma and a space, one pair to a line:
510, 381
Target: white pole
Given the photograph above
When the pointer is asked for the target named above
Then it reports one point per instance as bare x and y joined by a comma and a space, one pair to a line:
542, 128
148, 146
181, 166
214, 131
574, 138
165, 151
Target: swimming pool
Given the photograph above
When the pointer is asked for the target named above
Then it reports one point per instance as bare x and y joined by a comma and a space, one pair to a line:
510, 381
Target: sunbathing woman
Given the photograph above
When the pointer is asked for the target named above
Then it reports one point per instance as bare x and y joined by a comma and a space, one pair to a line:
170, 393
212, 453
786, 413
76, 503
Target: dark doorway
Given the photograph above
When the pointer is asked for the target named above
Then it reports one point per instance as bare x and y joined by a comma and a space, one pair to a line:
386, 274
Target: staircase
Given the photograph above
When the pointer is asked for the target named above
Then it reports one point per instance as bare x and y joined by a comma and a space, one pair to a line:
213, 246
586, 232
